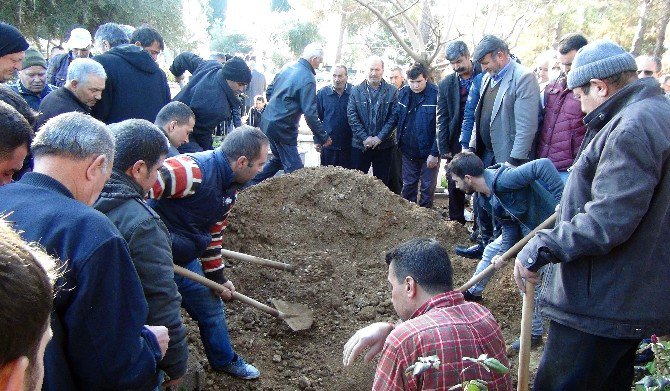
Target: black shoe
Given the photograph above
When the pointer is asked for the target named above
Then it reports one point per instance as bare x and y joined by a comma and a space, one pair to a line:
472, 252
470, 297
474, 236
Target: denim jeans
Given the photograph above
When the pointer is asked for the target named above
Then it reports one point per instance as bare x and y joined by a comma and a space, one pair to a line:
284, 157
207, 309
490, 251
413, 171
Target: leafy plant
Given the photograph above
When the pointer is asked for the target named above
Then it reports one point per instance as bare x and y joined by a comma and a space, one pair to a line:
486, 362
658, 378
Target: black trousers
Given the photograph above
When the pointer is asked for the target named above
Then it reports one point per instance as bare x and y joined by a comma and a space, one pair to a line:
456, 202
574, 360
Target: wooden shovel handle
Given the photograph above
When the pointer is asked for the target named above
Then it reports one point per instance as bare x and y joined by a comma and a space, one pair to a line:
236, 295
509, 253
257, 260
524, 339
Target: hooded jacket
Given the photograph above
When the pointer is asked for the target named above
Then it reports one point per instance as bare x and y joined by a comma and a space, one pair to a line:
122, 201
610, 243
135, 88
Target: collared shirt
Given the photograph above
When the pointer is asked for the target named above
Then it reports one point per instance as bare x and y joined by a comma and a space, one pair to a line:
495, 79
30, 97
451, 328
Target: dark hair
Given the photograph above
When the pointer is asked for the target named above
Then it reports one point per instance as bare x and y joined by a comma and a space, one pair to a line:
112, 33
26, 297
426, 261
15, 100
174, 111
456, 49
137, 139
617, 81
417, 69
244, 141
570, 42
466, 163
260, 98
346, 70
15, 131
146, 35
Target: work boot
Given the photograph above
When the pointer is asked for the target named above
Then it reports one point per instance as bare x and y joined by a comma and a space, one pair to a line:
470, 297
472, 252
240, 369
513, 349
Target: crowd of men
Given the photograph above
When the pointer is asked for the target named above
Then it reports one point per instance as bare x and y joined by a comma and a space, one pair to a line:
108, 168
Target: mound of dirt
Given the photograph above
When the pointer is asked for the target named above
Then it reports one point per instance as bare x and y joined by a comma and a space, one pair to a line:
334, 225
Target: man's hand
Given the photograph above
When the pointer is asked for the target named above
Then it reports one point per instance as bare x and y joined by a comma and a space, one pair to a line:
432, 161
521, 274
173, 382
162, 336
497, 262
367, 143
227, 293
374, 141
372, 336
328, 143
317, 147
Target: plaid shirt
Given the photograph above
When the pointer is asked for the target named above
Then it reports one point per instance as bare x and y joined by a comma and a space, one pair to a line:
451, 328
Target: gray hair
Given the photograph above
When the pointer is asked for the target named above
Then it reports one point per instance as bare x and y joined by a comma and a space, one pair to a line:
655, 59
74, 135
372, 59
81, 68
312, 50
112, 33
244, 141
456, 49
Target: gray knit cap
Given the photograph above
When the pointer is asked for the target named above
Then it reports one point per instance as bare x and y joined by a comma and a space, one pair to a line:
599, 60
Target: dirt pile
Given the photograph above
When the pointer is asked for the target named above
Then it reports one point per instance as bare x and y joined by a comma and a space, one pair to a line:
335, 226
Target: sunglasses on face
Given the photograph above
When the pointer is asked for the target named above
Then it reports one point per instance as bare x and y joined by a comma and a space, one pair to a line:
646, 73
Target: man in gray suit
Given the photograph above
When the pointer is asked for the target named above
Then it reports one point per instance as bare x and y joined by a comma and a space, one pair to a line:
507, 113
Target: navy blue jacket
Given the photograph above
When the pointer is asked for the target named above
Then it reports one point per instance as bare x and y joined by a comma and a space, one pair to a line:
58, 102
190, 219
416, 139
209, 96
135, 88
30, 97
99, 341
291, 94
332, 110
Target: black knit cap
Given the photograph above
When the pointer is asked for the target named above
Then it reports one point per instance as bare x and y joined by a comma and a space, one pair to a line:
11, 40
237, 70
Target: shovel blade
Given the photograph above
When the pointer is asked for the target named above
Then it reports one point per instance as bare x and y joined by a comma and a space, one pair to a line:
297, 316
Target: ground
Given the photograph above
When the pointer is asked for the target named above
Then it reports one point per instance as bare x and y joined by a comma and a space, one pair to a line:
335, 226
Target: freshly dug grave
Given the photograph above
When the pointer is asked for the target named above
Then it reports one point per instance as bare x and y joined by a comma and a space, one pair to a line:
335, 225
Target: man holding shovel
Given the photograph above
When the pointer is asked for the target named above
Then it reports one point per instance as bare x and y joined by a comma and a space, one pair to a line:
608, 289
517, 199
193, 195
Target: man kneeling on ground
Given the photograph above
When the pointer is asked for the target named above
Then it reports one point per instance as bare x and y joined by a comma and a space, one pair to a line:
436, 321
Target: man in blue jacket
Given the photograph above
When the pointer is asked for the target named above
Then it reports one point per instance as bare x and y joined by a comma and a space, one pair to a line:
291, 94
414, 114
517, 199
99, 338
331, 103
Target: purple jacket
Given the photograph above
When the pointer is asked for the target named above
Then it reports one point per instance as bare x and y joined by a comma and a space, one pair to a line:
562, 129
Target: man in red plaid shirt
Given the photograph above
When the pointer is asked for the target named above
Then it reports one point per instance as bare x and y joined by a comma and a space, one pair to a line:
437, 321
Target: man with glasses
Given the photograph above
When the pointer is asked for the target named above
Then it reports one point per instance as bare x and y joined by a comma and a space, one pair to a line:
648, 66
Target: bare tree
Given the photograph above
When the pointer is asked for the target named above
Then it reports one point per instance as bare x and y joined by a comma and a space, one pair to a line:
636, 46
662, 25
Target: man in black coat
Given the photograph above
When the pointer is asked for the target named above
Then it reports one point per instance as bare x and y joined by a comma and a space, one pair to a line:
213, 94
82, 90
136, 87
140, 150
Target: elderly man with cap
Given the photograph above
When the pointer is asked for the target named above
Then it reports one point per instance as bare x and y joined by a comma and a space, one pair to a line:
12, 50
213, 93
79, 43
608, 287
32, 84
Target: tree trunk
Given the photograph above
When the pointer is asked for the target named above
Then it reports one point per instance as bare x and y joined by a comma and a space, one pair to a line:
340, 37
662, 25
636, 46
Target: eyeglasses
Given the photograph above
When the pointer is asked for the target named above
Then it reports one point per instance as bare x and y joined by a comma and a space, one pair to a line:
646, 73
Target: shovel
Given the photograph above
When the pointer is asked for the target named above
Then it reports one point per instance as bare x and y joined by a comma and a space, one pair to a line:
523, 372
509, 253
297, 316
257, 260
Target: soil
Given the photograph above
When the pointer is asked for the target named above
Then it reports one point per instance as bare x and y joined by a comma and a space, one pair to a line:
335, 226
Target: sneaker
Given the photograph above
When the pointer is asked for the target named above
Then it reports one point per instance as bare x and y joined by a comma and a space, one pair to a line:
513, 349
470, 297
241, 369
